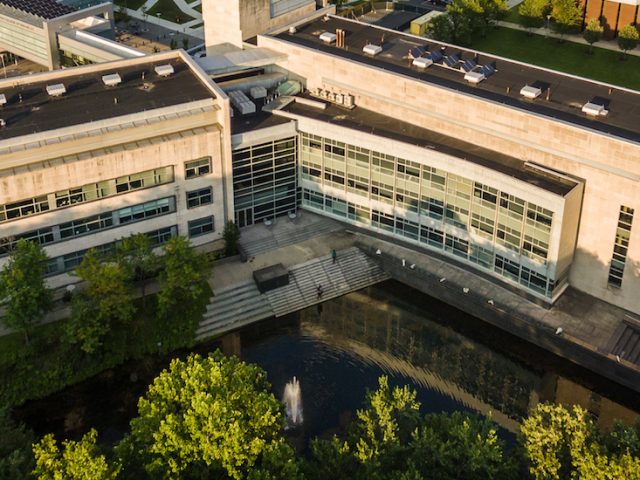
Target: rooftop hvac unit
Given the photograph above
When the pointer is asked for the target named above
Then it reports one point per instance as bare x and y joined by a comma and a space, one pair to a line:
371, 49
258, 92
164, 70
422, 62
474, 77
328, 37
241, 102
56, 90
594, 109
531, 92
3, 99
111, 80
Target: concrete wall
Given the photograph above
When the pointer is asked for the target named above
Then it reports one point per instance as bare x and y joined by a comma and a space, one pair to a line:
610, 166
233, 21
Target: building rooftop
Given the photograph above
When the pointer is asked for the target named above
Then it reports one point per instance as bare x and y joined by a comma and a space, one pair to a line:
567, 94
376, 124
47, 9
31, 109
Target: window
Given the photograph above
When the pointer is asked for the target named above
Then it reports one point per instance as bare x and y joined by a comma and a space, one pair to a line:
201, 226
23, 208
197, 168
620, 246
196, 198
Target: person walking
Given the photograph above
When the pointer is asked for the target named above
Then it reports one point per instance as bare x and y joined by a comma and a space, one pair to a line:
334, 255
320, 292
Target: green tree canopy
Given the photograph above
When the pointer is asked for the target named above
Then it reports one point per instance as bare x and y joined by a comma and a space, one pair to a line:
231, 236
77, 460
136, 254
533, 12
23, 292
391, 441
563, 443
182, 278
16, 459
567, 15
593, 32
628, 38
208, 418
106, 298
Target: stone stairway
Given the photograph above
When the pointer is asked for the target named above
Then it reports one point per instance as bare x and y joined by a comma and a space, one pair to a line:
242, 304
233, 307
352, 271
289, 234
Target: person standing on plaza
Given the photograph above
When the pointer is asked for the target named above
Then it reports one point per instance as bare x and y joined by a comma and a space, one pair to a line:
334, 255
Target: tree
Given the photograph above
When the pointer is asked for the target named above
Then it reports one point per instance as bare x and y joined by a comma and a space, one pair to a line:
183, 275
106, 298
562, 443
627, 38
16, 459
593, 33
77, 461
135, 253
208, 418
231, 236
390, 441
533, 12
440, 28
23, 291
567, 16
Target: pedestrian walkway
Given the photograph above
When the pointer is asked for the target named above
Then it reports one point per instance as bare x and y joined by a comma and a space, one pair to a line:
575, 38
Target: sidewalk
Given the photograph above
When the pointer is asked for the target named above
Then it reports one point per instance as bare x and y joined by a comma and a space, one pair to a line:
575, 38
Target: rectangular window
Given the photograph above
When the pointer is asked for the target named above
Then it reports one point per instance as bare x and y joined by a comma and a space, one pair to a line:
196, 198
620, 246
201, 226
197, 168
24, 208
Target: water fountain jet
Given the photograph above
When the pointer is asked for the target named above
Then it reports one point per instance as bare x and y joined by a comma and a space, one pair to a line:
292, 399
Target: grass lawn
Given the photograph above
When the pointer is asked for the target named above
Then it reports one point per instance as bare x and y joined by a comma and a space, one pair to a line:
603, 65
131, 4
169, 11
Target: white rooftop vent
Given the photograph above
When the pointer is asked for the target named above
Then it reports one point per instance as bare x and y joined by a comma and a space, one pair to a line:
371, 49
529, 91
111, 80
164, 70
328, 37
293, 30
474, 77
594, 109
3, 99
422, 62
56, 90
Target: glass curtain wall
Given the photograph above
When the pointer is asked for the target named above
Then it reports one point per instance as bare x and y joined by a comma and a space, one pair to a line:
421, 204
264, 181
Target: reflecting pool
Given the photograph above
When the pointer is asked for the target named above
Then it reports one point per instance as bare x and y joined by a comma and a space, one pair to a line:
336, 351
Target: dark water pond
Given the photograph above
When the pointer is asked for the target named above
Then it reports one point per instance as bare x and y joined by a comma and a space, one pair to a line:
338, 351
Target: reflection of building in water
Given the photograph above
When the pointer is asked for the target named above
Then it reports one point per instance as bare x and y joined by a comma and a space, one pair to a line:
432, 355
605, 410
400, 339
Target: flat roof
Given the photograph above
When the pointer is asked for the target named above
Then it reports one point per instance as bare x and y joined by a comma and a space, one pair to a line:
567, 93
47, 9
374, 123
256, 121
30, 109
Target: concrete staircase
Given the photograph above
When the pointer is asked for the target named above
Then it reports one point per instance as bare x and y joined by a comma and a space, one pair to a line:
232, 308
352, 271
242, 304
289, 234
